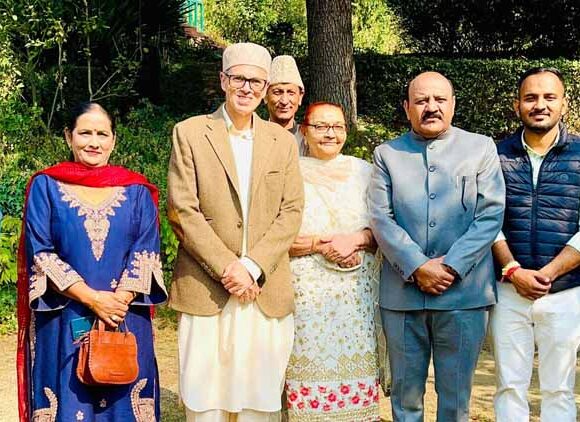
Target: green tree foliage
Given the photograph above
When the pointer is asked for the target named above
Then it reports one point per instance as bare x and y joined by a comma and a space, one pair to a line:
9, 74
376, 28
493, 27
64, 51
29, 30
277, 24
281, 24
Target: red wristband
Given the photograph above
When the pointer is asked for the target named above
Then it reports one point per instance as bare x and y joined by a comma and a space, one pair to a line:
511, 272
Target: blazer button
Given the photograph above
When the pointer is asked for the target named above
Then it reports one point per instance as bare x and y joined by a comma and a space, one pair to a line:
433, 196
432, 224
239, 225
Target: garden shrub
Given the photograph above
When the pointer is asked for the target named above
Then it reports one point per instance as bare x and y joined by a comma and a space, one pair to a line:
144, 143
13, 177
484, 28
485, 89
9, 235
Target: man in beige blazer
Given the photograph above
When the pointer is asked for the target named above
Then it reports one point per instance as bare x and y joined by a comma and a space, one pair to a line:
235, 203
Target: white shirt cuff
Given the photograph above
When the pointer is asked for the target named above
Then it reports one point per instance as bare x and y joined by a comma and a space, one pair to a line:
574, 242
252, 267
500, 236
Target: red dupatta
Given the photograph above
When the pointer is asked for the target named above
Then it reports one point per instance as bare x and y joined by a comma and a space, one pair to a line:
77, 174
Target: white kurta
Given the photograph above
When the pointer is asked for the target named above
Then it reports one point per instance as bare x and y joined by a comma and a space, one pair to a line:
235, 360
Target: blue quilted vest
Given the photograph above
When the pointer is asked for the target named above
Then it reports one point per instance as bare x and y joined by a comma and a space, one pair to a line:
538, 222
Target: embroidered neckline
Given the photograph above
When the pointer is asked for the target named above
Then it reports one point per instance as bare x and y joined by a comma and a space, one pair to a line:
96, 216
117, 195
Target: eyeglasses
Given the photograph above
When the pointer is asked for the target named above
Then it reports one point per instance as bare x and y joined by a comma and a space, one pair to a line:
324, 128
238, 81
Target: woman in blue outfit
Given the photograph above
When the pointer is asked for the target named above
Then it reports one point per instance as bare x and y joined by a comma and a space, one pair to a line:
90, 249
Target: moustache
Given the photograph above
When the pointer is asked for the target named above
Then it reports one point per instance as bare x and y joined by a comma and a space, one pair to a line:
430, 115
539, 113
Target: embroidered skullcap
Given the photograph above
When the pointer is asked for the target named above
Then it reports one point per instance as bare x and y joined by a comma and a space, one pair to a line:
285, 71
246, 53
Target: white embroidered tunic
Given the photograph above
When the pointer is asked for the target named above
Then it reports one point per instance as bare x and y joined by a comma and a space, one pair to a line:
333, 370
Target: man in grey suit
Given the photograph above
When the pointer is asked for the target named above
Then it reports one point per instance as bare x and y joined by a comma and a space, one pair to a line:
436, 200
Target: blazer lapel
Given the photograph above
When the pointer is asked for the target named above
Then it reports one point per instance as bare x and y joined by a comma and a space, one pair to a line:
262, 146
218, 137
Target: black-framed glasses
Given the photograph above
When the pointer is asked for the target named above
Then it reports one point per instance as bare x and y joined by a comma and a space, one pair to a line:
324, 128
238, 81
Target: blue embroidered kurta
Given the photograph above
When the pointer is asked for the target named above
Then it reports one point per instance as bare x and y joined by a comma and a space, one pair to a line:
112, 245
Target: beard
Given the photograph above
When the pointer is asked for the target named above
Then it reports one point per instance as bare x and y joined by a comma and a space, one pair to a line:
540, 127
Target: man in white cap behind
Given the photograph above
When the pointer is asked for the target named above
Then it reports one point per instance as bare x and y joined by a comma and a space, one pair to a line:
285, 95
235, 201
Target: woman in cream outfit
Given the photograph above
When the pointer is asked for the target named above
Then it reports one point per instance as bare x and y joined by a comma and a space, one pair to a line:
333, 370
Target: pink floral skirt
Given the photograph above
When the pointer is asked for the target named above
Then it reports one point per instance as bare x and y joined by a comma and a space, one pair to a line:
350, 401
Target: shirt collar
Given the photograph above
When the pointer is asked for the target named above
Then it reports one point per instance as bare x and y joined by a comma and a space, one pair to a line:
531, 151
294, 129
247, 134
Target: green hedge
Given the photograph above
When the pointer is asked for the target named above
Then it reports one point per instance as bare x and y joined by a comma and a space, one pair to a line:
485, 89
9, 235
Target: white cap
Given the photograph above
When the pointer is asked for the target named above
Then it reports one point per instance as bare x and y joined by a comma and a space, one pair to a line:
246, 53
285, 71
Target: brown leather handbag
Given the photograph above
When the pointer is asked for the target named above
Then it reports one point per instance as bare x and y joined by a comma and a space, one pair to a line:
107, 357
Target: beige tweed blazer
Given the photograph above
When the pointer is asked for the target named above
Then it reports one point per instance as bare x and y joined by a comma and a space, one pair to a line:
205, 212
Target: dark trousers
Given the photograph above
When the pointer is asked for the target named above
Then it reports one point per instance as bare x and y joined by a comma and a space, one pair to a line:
454, 338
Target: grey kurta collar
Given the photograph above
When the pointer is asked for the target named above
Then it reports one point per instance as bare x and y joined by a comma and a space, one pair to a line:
422, 142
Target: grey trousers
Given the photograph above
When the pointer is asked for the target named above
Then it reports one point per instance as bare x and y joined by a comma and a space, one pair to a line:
454, 338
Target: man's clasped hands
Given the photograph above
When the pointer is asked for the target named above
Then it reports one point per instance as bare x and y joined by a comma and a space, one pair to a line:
434, 277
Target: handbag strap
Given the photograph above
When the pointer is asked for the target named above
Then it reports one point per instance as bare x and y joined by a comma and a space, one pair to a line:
99, 325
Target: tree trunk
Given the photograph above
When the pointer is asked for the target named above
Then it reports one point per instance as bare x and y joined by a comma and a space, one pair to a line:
332, 75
